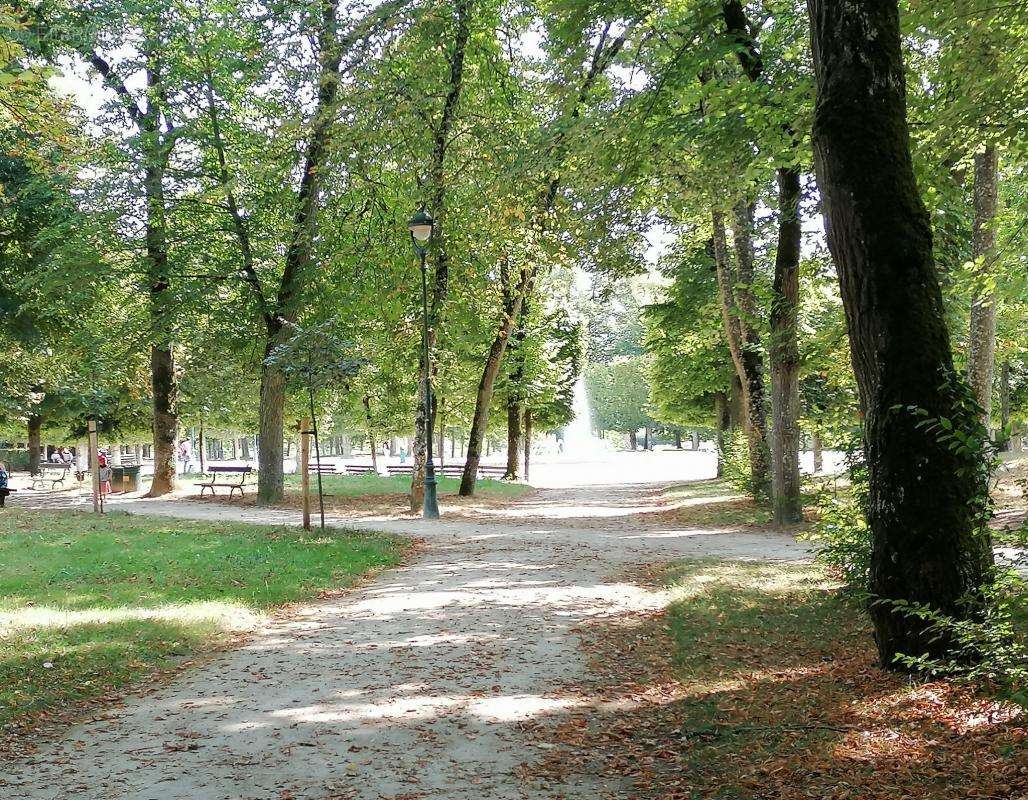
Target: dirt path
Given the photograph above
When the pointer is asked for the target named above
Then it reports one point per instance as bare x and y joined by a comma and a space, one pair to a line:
412, 687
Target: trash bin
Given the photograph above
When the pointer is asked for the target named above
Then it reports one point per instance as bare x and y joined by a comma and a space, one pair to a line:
126, 479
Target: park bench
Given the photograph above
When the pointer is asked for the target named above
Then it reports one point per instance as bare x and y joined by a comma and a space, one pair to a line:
325, 469
54, 473
451, 470
359, 469
231, 478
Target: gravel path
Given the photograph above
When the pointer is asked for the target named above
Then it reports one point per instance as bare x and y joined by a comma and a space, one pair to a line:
411, 687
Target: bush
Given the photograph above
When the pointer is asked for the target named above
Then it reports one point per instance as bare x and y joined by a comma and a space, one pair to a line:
735, 461
16, 460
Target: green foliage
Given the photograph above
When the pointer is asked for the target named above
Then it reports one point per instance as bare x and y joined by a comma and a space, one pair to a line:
619, 395
735, 461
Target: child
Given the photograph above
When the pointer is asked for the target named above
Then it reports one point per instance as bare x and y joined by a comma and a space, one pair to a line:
4, 491
105, 474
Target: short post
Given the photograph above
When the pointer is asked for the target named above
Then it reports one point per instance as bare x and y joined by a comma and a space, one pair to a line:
305, 476
94, 467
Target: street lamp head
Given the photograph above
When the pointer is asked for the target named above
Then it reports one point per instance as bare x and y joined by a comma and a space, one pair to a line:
420, 226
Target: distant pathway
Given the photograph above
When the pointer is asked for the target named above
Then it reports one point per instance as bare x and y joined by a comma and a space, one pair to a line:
412, 687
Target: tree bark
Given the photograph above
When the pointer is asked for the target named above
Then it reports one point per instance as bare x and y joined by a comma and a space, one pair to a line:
678, 439
981, 360
371, 432
303, 467
156, 144
528, 440
787, 504
784, 350
722, 423
514, 298
818, 453
514, 412
202, 448
270, 478
737, 312
164, 379
633, 443
926, 508
35, 424
736, 411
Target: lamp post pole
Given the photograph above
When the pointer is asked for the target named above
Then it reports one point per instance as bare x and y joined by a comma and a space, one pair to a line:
419, 223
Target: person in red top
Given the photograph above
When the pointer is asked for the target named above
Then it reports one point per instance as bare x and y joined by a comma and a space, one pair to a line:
105, 474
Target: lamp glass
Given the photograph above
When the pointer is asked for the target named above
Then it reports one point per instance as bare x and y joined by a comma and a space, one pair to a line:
421, 233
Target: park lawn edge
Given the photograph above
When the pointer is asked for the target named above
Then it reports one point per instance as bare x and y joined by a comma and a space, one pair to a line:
24, 733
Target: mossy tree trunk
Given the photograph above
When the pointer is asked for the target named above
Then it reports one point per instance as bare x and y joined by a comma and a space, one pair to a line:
929, 541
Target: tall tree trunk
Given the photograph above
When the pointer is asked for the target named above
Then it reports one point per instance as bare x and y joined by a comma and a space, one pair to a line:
528, 440
785, 357
513, 307
514, 412
678, 439
981, 360
371, 433
736, 409
737, 312
647, 434
722, 423
925, 509
164, 380
285, 307
633, 443
34, 426
156, 146
818, 453
202, 448
270, 478
783, 350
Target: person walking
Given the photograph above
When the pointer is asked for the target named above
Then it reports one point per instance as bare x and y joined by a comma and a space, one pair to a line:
4, 490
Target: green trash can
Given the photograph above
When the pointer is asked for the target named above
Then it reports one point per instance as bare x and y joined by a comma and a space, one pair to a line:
125, 479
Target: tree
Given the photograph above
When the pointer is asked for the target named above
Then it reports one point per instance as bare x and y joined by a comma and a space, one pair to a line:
783, 348
619, 395
926, 491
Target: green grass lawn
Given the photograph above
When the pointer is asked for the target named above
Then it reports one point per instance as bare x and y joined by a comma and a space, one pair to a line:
372, 485
89, 604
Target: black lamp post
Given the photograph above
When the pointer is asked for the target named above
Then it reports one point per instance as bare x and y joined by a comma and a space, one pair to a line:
421, 231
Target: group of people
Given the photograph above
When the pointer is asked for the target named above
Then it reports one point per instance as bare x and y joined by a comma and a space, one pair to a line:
62, 456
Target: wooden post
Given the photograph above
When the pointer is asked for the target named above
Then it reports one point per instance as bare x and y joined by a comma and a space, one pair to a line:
94, 465
305, 475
